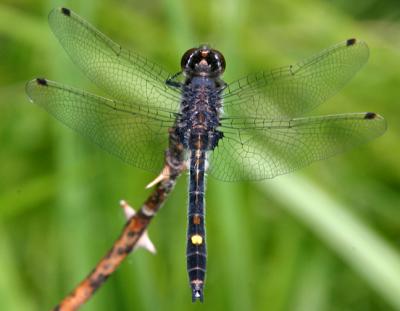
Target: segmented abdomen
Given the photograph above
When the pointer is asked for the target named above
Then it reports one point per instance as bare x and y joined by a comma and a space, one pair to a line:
196, 244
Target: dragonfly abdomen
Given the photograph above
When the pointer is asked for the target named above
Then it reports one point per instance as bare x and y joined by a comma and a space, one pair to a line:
196, 243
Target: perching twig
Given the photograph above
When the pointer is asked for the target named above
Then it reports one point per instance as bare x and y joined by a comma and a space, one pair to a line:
132, 232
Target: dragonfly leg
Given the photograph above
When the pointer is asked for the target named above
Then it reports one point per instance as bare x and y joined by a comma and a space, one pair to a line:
172, 82
222, 86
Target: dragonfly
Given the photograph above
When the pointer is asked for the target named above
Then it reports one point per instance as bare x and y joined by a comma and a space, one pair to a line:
251, 129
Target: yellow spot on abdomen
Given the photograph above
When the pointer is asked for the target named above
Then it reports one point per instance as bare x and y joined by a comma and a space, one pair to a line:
196, 239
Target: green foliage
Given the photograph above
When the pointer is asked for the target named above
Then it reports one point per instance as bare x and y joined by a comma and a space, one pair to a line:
324, 238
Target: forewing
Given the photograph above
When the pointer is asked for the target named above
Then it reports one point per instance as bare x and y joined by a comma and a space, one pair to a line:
260, 149
124, 75
291, 91
136, 134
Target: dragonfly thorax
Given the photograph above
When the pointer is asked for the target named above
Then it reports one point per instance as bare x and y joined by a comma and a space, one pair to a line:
200, 112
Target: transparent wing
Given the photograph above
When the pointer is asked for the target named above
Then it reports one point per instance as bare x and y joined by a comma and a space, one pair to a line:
291, 91
257, 149
123, 74
138, 135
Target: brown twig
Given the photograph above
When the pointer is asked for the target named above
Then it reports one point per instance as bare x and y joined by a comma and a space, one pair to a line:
131, 233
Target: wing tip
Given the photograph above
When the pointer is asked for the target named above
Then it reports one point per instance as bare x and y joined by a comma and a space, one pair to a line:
30, 85
372, 116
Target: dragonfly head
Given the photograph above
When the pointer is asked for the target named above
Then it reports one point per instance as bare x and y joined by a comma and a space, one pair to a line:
203, 61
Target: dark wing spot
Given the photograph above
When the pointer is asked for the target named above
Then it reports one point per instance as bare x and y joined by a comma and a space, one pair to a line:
351, 41
66, 11
370, 115
41, 81
56, 308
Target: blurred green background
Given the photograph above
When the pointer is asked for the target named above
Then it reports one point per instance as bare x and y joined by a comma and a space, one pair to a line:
324, 238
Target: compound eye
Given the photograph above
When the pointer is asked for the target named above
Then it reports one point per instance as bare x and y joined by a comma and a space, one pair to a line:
222, 60
186, 56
